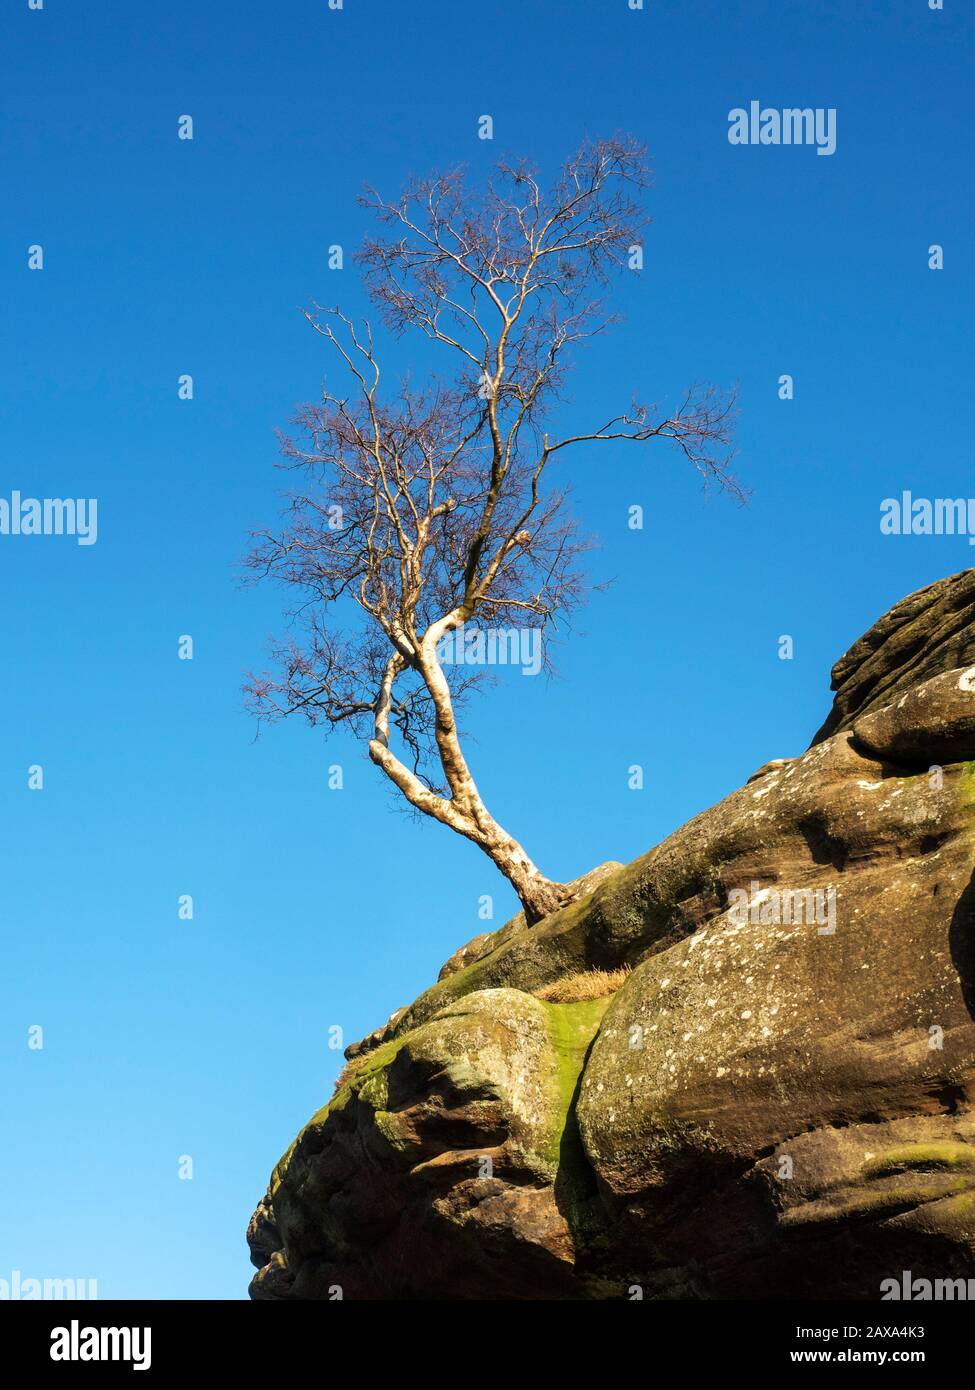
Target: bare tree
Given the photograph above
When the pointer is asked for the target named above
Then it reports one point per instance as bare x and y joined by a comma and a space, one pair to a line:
425, 512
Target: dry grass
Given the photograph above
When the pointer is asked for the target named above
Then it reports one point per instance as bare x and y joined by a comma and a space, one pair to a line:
586, 984
349, 1071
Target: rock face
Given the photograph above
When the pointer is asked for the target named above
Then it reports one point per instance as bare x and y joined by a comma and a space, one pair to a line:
924, 635
776, 1103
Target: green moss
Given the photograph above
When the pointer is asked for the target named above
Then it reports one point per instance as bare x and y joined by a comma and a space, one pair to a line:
930, 1172
571, 1029
874, 1203
966, 788
369, 1079
958, 1206
372, 1070
911, 1156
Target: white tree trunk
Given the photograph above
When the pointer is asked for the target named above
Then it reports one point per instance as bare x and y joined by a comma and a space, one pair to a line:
463, 811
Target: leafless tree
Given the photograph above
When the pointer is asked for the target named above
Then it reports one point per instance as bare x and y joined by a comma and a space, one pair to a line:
425, 512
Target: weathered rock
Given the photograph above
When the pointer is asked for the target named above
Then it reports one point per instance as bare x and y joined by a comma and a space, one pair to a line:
777, 1102
927, 633
477, 947
376, 1038
442, 1166
487, 943
931, 723
751, 1034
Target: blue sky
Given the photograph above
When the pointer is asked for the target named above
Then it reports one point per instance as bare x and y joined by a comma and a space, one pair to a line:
210, 1038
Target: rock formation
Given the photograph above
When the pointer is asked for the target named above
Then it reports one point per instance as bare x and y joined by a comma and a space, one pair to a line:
776, 1099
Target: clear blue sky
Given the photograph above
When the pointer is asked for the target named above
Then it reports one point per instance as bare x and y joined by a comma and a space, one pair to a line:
165, 257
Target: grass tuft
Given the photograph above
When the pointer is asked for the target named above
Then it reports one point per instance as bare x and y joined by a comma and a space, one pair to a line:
585, 984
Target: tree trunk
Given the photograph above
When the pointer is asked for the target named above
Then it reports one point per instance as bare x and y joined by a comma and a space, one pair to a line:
463, 810
537, 894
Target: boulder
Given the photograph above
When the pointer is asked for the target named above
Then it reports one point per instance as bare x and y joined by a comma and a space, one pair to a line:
777, 1100
442, 1166
927, 633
